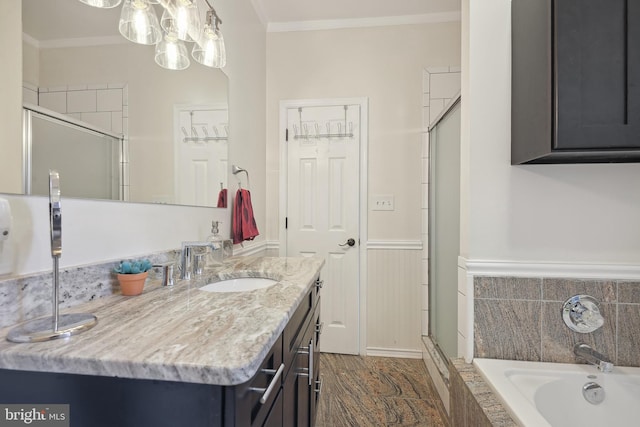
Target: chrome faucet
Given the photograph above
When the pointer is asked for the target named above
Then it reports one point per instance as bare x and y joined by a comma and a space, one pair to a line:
587, 353
187, 265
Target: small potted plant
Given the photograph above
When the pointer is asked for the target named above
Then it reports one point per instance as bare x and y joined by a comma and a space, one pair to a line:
132, 275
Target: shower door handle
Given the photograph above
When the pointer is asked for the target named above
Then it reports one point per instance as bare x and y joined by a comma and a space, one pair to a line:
349, 242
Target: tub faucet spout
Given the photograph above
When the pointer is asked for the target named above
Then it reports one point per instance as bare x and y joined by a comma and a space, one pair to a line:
587, 353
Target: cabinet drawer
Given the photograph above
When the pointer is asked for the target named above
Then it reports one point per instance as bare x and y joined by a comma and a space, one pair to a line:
274, 419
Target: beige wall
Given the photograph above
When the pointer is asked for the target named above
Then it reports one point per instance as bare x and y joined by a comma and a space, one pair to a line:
384, 64
533, 213
30, 64
11, 89
245, 40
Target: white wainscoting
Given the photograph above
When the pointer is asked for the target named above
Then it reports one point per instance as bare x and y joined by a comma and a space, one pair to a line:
393, 299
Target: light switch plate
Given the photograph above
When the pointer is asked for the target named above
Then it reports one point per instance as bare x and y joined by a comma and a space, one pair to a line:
382, 202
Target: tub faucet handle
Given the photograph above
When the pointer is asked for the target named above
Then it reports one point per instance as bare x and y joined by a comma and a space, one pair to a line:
582, 314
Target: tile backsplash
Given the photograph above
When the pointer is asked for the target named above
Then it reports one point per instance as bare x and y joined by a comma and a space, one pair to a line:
520, 319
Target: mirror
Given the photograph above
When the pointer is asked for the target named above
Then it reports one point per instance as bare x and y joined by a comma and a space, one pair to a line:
175, 123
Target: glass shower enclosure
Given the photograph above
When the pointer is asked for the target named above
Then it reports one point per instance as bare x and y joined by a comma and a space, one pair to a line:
88, 159
444, 229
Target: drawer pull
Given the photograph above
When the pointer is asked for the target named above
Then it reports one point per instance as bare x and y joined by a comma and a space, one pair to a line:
308, 371
267, 391
319, 327
319, 283
319, 387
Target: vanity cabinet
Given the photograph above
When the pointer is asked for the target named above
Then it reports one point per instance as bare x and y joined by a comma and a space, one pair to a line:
575, 81
302, 384
283, 392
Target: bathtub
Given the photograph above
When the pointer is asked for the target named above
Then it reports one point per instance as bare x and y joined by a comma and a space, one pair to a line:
551, 394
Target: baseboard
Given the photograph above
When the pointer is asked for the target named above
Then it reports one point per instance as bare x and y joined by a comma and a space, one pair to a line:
394, 352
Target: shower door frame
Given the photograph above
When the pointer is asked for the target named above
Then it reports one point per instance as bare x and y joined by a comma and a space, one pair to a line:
28, 112
455, 102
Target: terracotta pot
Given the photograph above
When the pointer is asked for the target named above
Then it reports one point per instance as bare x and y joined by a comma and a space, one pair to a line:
132, 284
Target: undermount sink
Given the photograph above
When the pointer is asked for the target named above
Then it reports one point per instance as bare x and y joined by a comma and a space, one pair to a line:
240, 284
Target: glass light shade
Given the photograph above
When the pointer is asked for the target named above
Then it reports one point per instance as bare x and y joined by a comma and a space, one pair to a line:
209, 49
171, 53
139, 23
103, 4
181, 17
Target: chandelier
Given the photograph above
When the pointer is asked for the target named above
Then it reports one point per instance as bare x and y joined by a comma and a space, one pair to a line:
179, 24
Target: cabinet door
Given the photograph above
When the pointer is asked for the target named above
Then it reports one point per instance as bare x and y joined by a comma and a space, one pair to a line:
297, 386
597, 68
316, 383
274, 419
305, 383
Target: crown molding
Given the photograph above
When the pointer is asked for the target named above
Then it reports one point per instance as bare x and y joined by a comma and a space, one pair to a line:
333, 24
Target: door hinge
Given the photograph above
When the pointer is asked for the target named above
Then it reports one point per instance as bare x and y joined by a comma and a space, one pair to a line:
286, 134
286, 222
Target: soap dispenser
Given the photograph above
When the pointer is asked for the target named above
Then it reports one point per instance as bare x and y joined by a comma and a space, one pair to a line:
216, 244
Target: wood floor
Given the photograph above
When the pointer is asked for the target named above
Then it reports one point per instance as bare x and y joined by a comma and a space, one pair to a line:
375, 391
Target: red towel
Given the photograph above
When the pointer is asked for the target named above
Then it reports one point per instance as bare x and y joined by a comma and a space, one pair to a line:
244, 224
222, 198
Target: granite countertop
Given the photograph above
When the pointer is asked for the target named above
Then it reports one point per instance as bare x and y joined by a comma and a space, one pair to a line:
178, 333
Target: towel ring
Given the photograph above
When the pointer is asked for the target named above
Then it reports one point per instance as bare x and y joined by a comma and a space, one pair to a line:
236, 170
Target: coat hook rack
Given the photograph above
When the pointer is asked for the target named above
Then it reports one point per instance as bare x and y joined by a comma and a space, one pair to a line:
194, 137
345, 129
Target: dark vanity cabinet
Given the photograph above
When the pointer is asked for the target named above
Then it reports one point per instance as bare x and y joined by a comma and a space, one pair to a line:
575, 81
283, 392
302, 384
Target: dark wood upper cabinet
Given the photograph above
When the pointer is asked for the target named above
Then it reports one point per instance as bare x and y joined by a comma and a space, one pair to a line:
575, 81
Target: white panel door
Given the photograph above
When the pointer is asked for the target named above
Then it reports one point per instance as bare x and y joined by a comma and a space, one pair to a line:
323, 211
201, 152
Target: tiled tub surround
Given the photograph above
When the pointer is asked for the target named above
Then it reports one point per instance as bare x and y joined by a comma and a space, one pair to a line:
179, 333
520, 319
28, 297
473, 402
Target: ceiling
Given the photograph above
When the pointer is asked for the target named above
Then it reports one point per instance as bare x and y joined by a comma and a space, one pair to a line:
49, 19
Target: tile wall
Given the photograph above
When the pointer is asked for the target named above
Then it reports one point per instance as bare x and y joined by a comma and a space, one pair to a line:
473, 400
520, 319
102, 105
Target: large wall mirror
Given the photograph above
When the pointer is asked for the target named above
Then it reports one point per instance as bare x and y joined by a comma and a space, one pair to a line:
78, 70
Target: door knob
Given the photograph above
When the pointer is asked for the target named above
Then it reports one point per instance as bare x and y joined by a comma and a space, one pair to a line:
349, 242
